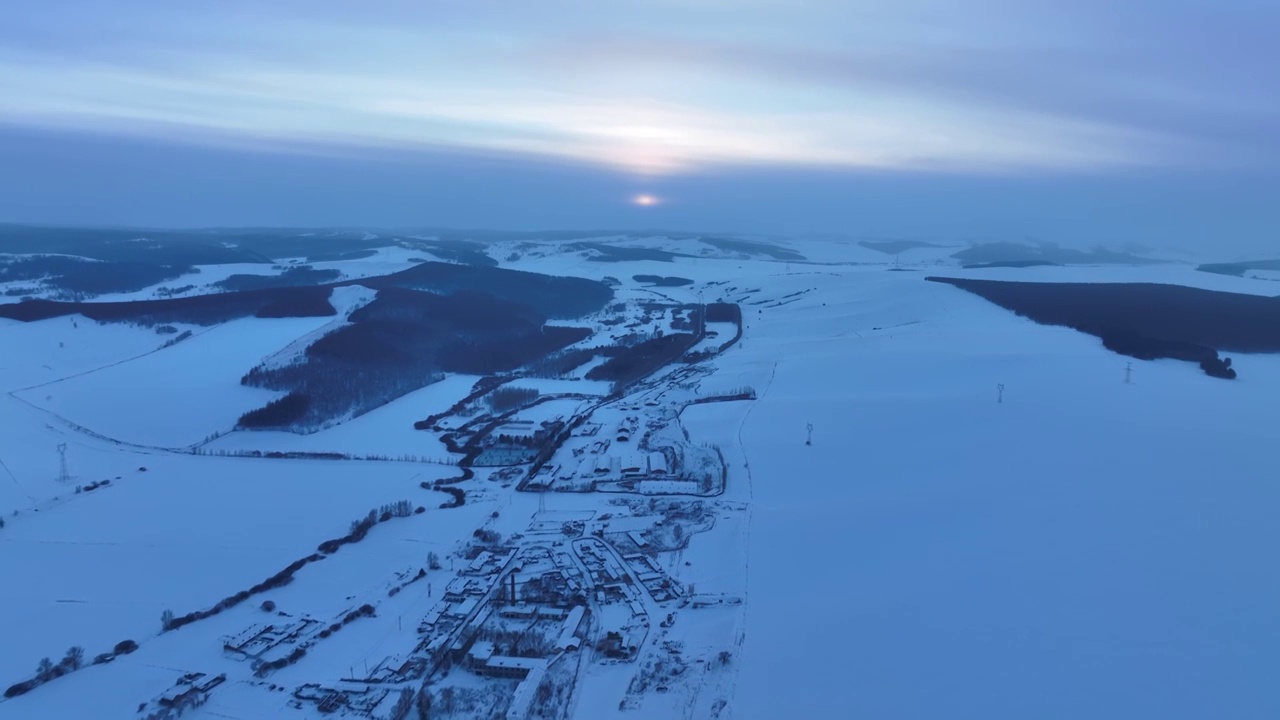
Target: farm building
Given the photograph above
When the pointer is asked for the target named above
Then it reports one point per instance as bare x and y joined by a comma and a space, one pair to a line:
658, 464
569, 631
633, 465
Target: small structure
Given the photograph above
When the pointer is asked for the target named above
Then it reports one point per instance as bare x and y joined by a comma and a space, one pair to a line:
191, 690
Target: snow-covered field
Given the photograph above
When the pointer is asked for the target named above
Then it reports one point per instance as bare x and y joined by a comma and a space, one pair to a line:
179, 395
1068, 546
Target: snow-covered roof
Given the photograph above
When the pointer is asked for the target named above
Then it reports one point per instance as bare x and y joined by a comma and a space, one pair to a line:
658, 463
524, 695
481, 651
511, 662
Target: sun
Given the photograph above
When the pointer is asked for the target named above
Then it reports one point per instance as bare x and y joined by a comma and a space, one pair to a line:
645, 200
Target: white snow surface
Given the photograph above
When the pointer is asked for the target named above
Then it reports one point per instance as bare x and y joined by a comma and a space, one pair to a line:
1084, 548
179, 395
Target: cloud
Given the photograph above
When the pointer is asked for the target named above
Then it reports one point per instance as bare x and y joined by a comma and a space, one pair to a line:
674, 87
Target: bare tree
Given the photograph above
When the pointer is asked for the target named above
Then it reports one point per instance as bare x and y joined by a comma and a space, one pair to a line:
424, 703
74, 658
403, 705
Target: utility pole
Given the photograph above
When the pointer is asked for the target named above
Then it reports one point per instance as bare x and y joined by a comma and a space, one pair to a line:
1000, 393
1128, 373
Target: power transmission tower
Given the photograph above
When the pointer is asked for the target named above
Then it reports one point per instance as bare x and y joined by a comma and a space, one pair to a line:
1000, 393
64, 474
1128, 373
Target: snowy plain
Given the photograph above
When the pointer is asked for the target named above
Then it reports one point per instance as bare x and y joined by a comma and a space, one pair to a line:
1083, 547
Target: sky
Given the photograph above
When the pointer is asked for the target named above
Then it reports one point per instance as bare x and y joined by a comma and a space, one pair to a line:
1149, 121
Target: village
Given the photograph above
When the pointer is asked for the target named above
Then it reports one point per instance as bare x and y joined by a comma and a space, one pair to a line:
518, 614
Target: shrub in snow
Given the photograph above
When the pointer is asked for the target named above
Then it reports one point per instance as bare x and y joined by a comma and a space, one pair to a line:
21, 688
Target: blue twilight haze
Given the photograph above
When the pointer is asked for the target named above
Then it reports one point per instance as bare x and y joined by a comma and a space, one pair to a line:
1148, 121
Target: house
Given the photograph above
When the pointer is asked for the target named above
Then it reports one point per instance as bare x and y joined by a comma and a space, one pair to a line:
462, 608
456, 589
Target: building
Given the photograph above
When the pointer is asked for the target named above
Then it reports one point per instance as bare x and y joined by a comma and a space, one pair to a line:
633, 465
191, 691
670, 487
479, 655
569, 631
523, 698
658, 464
508, 666
548, 612
519, 612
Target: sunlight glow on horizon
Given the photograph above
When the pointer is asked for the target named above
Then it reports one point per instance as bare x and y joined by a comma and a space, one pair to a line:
607, 86
646, 200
